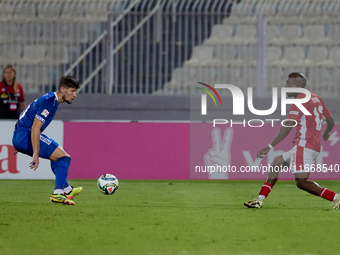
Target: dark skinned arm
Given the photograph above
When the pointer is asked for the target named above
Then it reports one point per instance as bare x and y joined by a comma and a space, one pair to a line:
281, 135
329, 127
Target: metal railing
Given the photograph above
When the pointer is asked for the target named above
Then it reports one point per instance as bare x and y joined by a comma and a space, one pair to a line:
150, 46
42, 38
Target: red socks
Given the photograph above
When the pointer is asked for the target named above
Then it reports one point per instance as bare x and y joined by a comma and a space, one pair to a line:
324, 193
265, 190
327, 194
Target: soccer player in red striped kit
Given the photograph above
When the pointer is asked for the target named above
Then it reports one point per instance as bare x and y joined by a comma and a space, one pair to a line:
306, 145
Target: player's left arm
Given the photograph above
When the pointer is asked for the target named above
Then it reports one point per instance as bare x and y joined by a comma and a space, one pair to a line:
329, 127
35, 138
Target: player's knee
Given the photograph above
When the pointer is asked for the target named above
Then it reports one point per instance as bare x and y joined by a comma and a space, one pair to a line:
277, 162
298, 183
68, 156
301, 183
65, 155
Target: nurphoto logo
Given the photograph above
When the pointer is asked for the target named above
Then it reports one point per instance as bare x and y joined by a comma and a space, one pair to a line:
239, 98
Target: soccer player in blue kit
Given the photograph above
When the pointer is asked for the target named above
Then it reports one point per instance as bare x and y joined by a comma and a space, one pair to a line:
28, 137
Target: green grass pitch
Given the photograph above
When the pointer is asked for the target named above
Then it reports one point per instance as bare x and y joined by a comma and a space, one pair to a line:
167, 217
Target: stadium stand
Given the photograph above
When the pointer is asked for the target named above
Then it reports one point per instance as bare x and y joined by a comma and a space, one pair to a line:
199, 41
299, 37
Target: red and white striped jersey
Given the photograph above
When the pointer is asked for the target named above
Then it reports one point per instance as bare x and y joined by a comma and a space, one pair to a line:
309, 126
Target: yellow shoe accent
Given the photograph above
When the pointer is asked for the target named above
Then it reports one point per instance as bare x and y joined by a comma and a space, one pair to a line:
74, 192
255, 203
58, 198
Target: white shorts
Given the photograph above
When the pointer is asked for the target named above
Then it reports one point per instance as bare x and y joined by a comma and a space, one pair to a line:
300, 158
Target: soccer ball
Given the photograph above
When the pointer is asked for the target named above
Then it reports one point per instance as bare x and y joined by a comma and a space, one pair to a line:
107, 184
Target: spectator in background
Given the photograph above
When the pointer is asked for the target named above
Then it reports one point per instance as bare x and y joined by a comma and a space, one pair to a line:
12, 99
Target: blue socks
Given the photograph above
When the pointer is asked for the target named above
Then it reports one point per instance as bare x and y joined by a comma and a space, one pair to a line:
60, 170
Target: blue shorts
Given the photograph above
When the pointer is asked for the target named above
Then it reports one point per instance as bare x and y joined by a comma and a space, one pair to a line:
22, 143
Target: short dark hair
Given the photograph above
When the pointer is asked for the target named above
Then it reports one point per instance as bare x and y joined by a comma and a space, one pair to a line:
68, 82
299, 77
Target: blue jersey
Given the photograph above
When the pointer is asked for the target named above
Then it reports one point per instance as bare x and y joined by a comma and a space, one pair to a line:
43, 109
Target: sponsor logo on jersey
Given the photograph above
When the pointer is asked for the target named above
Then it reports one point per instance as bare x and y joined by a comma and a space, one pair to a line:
45, 113
45, 140
4, 95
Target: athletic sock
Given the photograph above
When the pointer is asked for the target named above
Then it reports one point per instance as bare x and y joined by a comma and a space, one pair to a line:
265, 190
58, 192
61, 171
68, 189
327, 194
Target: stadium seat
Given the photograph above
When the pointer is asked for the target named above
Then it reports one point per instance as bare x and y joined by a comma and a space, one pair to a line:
273, 34
251, 20
72, 33
319, 81
75, 33
33, 54
286, 20
9, 32
181, 81
10, 54
56, 55
25, 11
246, 55
290, 35
293, 56
29, 32
222, 75
316, 56
276, 77
6, 11
225, 53
33, 75
334, 34
315, 35
219, 75
95, 12
221, 34
201, 55
245, 34
274, 55
54, 32
242, 9
49, 11
72, 11
313, 11
334, 58
243, 77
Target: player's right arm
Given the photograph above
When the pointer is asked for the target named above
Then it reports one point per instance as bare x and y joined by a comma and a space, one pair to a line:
281, 135
329, 127
292, 119
35, 138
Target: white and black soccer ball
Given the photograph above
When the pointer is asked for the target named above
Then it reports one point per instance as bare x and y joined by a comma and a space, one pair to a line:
107, 184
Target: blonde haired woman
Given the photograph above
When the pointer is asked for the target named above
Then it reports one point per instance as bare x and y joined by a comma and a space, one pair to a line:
12, 99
